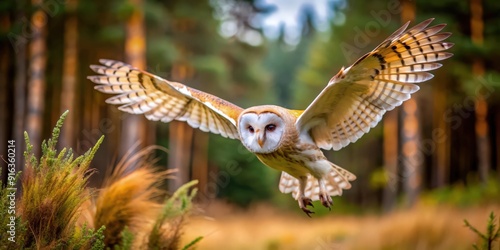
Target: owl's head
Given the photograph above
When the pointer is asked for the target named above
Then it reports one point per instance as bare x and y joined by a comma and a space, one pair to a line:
261, 132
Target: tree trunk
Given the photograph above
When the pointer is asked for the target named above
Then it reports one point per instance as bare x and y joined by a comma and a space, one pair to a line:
390, 129
5, 90
441, 160
69, 82
481, 107
200, 161
181, 141
410, 133
19, 97
134, 126
36, 83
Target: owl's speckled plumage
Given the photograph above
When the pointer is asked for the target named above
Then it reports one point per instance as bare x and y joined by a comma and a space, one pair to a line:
352, 103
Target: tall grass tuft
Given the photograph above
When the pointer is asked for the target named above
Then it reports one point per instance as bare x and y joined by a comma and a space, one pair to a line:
130, 206
53, 190
129, 199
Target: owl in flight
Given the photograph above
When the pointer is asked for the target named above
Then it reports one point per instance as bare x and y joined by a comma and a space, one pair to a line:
290, 141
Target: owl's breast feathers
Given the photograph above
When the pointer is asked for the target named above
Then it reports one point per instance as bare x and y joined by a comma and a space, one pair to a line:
293, 157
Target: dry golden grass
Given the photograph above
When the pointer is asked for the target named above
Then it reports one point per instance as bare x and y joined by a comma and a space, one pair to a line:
424, 227
133, 208
128, 200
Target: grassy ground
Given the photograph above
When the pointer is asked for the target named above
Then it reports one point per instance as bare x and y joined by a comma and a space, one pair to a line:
262, 227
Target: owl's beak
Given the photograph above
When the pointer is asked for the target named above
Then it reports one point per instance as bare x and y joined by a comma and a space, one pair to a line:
261, 139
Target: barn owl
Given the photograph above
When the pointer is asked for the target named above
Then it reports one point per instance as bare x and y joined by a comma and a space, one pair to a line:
290, 141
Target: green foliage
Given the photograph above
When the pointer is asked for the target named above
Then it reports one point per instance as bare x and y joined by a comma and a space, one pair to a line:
241, 178
97, 239
179, 203
127, 239
173, 213
161, 48
87, 238
492, 233
463, 196
213, 65
379, 178
111, 33
123, 9
53, 189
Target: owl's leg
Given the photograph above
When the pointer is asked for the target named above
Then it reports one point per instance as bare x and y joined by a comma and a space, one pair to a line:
303, 200
324, 197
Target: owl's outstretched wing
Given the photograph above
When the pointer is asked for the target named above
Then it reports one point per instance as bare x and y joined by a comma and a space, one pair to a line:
139, 92
356, 98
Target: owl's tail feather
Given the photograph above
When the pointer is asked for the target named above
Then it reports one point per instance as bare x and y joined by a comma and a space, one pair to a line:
337, 180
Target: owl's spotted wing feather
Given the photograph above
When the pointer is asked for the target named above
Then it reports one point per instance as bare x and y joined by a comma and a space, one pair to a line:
356, 98
139, 92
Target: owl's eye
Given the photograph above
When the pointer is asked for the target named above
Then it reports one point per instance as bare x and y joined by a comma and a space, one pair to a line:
270, 127
250, 128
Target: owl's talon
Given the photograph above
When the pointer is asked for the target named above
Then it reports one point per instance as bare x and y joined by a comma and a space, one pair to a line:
307, 202
307, 211
303, 203
326, 200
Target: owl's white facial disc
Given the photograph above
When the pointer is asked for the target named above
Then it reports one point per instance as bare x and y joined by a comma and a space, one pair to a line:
261, 133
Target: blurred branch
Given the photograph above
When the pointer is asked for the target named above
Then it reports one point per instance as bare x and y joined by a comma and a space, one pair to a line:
492, 232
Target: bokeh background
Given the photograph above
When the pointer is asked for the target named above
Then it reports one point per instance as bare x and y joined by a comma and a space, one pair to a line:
429, 165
